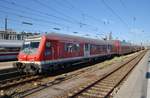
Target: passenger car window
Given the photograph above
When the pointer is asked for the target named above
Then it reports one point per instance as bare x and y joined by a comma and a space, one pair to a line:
86, 47
48, 49
48, 44
70, 47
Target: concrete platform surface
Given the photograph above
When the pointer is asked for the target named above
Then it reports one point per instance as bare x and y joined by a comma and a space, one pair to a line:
136, 84
148, 80
6, 65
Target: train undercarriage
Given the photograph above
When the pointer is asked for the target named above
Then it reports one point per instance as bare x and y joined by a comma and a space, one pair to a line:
34, 68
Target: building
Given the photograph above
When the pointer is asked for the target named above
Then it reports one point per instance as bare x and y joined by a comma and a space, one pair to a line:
12, 35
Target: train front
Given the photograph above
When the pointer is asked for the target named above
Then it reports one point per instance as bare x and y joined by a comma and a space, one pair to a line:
29, 56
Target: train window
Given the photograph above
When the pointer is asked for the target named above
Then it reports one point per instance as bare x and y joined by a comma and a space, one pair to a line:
86, 47
70, 47
110, 47
48, 49
34, 44
26, 45
48, 44
91, 47
65, 47
76, 47
30, 47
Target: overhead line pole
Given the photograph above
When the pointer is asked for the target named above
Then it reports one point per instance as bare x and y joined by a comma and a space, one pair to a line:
5, 35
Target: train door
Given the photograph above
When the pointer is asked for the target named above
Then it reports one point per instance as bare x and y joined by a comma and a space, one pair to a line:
109, 47
49, 50
86, 49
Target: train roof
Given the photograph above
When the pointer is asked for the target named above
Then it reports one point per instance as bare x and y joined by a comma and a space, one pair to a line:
73, 38
11, 43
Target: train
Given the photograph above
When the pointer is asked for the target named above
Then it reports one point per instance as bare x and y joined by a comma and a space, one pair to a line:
45, 53
9, 49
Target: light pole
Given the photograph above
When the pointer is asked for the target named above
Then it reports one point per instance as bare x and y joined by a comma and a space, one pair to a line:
6, 35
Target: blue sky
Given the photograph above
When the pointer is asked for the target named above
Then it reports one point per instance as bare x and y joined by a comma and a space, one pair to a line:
126, 19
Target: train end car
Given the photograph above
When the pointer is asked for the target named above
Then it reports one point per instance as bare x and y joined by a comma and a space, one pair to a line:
47, 52
53, 51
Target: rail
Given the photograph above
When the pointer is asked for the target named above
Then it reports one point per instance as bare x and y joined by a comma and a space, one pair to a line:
103, 87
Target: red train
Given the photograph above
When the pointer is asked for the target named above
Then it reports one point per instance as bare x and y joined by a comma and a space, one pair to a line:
51, 51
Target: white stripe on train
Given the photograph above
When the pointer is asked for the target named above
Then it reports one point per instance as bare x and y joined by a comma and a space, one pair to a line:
62, 60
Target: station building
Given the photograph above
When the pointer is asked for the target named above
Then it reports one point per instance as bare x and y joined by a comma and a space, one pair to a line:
12, 35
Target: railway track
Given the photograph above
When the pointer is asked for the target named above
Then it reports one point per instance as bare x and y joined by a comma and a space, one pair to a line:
7, 75
12, 83
13, 77
7, 83
66, 95
103, 87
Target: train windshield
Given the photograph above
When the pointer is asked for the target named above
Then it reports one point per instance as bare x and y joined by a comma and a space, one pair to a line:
30, 47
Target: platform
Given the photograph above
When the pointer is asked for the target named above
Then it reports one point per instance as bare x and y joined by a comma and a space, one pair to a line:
6, 65
136, 84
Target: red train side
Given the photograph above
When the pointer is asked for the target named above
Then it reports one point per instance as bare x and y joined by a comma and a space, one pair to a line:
48, 52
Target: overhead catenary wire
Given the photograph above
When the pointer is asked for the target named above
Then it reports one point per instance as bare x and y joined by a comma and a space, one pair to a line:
20, 23
58, 12
36, 11
111, 9
34, 19
122, 3
82, 12
10, 21
64, 4
18, 15
53, 9
47, 14
131, 15
24, 12
70, 21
